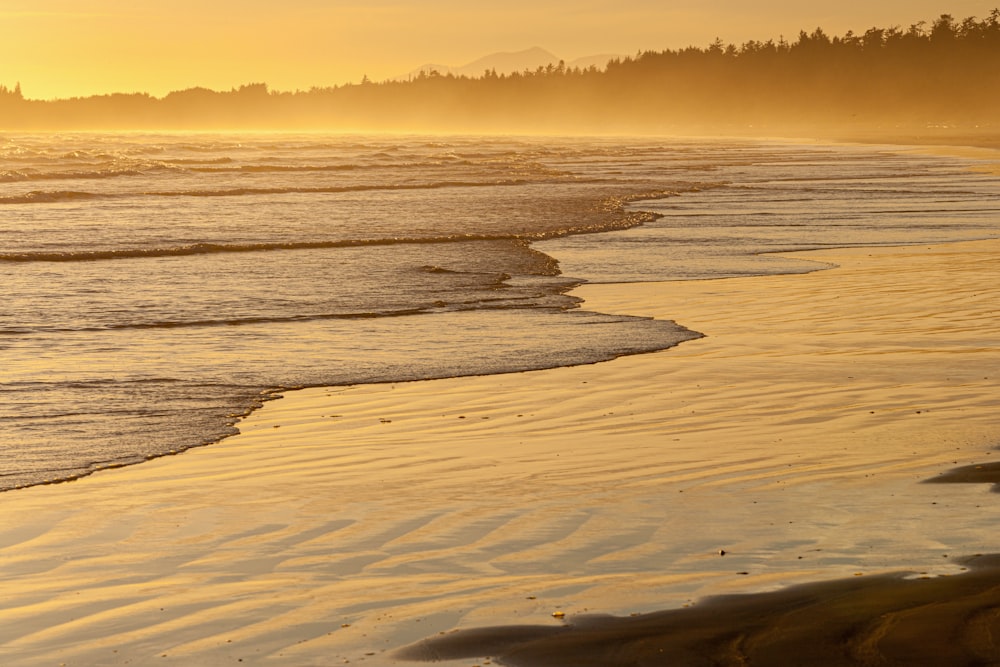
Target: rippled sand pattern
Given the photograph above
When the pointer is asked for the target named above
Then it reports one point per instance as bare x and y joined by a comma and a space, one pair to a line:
345, 523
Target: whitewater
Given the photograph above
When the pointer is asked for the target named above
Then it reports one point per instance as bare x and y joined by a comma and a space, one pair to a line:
158, 288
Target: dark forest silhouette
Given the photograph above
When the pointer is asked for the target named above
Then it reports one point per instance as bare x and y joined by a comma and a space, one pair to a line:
946, 73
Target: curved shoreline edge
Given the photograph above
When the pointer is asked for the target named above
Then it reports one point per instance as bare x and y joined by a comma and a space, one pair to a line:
630, 207
341, 524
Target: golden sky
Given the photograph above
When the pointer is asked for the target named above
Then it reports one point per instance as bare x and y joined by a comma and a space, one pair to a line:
62, 48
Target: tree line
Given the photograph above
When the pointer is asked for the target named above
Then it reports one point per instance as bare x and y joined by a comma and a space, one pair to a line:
946, 72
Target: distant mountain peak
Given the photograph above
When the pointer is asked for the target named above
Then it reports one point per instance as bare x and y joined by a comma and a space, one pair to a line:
506, 62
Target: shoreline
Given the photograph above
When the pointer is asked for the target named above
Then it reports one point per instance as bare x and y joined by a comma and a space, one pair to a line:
985, 147
350, 521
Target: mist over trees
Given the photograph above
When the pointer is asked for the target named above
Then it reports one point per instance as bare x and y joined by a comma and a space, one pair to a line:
943, 73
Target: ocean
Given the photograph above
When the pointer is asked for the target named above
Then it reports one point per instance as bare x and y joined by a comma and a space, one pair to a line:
158, 287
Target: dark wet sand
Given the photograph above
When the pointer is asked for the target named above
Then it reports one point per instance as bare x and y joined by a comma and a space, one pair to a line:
986, 473
866, 620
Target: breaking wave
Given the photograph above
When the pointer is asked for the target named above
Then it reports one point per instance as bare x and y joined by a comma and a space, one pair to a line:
44, 197
624, 222
48, 197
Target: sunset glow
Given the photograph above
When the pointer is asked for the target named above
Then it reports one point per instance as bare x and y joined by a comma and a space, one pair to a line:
528, 332
64, 48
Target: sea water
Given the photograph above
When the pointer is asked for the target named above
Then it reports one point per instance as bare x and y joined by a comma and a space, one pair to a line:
158, 287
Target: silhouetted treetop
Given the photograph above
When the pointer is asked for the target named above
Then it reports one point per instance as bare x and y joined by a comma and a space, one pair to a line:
941, 72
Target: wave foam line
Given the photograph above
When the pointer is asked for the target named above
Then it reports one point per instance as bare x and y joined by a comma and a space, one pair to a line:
94, 174
48, 197
267, 168
40, 196
611, 205
213, 248
178, 324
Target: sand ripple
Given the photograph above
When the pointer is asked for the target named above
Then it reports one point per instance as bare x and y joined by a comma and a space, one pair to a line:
353, 521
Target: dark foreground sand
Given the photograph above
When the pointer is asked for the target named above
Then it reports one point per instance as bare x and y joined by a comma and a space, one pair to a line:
891, 619
985, 473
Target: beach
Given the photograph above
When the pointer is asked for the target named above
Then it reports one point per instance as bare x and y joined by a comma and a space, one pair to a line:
787, 445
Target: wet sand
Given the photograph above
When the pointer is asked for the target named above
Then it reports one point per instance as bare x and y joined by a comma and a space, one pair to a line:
987, 473
889, 619
344, 524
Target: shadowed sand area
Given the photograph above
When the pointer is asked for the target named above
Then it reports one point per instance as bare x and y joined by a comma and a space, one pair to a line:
987, 473
878, 620
343, 524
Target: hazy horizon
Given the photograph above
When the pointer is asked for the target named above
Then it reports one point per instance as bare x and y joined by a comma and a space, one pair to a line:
55, 50
938, 73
